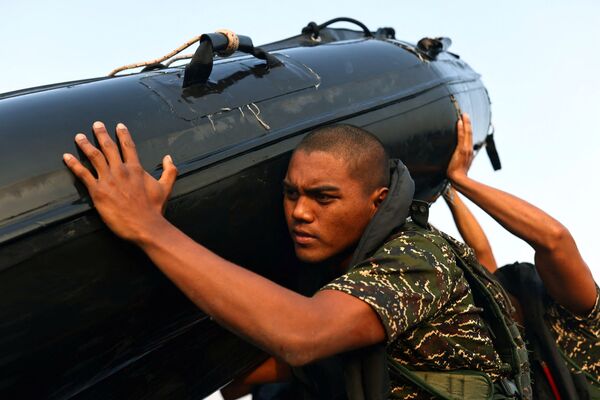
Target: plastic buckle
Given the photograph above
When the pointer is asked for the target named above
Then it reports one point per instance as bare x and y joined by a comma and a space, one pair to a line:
510, 388
419, 212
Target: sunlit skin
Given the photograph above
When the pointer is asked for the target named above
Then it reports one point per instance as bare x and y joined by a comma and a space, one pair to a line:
566, 276
295, 329
326, 209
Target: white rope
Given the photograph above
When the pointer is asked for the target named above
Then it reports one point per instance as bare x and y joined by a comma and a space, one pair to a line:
178, 58
158, 60
233, 43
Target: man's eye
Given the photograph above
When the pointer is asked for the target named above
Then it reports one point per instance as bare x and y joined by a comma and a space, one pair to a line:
323, 198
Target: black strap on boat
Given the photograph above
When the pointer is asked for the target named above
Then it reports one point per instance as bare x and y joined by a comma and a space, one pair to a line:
200, 67
490, 145
386, 32
492, 152
434, 46
313, 29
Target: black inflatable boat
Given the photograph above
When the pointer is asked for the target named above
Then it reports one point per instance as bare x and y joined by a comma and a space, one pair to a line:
84, 314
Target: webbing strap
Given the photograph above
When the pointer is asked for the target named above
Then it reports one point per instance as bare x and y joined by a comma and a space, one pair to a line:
404, 372
518, 355
450, 385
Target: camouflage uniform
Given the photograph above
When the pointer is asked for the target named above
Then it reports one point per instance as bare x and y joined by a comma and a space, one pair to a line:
578, 337
425, 305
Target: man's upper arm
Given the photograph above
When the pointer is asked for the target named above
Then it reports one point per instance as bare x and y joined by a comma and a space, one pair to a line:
567, 277
333, 323
348, 322
407, 281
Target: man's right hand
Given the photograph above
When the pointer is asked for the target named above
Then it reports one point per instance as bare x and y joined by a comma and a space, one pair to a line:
463, 154
128, 199
566, 276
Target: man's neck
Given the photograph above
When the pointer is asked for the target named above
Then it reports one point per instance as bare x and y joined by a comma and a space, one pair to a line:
340, 263
344, 263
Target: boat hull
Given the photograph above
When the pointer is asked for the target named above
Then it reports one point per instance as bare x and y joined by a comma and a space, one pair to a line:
86, 315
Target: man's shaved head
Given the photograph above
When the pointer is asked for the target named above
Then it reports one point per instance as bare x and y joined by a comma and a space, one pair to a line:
336, 180
362, 151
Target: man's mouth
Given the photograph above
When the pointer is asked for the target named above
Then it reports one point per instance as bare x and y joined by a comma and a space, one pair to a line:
303, 238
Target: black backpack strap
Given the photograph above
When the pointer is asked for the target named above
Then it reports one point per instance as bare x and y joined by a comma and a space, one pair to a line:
322, 379
366, 373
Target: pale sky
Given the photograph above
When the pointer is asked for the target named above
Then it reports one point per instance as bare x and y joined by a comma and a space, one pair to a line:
538, 59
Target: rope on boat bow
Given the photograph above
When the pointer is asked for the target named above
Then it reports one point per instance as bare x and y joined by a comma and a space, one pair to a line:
232, 46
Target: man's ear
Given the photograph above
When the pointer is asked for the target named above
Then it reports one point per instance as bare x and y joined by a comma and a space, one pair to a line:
379, 196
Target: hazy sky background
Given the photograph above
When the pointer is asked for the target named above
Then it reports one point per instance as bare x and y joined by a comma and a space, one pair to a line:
539, 61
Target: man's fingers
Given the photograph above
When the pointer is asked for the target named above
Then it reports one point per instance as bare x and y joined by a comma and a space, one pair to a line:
460, 132
463, 153
167, 179
108, 146
79, 170
468, 130
127, 145
466, 119
92, 153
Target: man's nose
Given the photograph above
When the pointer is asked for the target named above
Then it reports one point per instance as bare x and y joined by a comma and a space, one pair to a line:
302, 210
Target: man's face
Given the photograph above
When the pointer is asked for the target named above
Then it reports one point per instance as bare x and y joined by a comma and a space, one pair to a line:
326, 209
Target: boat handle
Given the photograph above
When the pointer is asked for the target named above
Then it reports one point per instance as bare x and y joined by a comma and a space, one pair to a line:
223, 43
313, 29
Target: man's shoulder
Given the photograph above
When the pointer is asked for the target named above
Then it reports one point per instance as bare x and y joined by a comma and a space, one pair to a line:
411, 238
417, 253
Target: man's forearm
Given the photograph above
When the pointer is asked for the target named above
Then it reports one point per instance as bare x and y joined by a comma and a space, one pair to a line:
565, 274
241, 300
295, 328
517, 216
471, 231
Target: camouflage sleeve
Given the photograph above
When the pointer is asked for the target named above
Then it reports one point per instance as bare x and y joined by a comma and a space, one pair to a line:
594, 315
592, 319
407, 281
578, 336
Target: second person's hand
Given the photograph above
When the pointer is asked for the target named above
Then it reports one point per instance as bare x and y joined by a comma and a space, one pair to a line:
461, 160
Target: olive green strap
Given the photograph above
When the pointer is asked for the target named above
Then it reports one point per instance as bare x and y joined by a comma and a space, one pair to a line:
519, 362
452, 385
594, 391
404, 372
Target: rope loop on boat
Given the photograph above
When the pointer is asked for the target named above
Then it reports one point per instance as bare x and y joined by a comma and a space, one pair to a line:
233, 42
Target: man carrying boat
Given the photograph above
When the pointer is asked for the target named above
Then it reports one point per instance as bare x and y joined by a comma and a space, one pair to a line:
556, 300
399, 286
